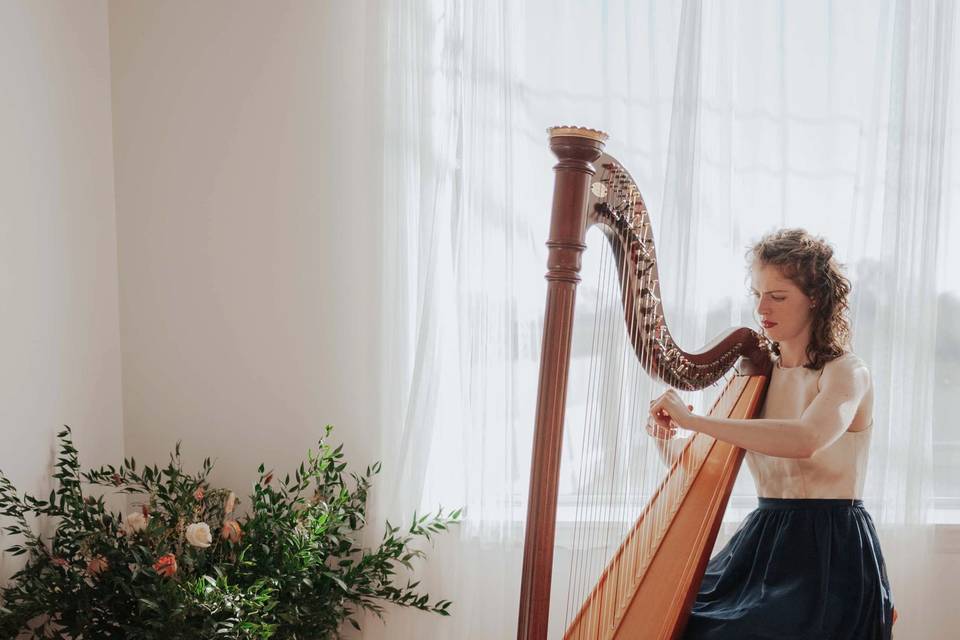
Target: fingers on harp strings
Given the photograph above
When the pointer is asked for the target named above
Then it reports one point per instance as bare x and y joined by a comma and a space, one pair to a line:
660, 423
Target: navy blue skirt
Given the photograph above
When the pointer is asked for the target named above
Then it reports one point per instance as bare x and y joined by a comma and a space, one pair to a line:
796, 570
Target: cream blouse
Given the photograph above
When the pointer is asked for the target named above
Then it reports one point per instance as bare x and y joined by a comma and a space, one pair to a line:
837, 471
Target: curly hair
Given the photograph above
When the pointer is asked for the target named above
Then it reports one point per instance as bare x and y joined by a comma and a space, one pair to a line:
808, 262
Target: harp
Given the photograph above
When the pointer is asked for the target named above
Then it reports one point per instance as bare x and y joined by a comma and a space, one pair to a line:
651, 575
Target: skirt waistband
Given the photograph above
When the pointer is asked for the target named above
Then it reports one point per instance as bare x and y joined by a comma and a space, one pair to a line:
808, 503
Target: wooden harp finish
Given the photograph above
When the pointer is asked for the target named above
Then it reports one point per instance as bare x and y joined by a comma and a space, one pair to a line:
675, 554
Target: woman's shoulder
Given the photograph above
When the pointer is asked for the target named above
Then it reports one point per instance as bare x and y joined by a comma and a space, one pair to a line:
846, 366
846, 360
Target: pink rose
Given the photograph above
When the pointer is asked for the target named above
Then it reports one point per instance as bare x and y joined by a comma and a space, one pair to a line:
198, 494
231, 531
166, 565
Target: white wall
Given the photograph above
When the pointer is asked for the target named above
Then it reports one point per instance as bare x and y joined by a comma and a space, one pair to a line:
248, 263
59, 335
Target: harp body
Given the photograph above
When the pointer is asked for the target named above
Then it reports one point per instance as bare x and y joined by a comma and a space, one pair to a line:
649, 583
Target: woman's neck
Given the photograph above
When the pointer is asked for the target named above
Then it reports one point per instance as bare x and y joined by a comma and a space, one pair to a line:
793, 354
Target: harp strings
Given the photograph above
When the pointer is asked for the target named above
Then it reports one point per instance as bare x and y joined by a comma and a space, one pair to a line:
583, 570
584, 565
588, 468
635, 478
620, 465
646, 284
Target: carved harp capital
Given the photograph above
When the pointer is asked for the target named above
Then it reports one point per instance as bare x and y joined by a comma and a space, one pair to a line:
576, 147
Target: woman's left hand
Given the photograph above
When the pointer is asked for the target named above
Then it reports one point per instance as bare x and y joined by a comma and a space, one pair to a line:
669, 407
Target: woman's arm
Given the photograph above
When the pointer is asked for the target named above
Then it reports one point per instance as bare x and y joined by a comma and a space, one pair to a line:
780, 438
842, 387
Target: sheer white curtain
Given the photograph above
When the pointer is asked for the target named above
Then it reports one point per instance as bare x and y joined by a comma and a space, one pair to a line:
735, 118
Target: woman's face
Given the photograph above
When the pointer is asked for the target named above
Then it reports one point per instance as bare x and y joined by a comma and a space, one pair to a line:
784, 310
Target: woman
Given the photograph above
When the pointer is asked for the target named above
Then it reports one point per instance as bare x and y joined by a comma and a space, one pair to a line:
806, 563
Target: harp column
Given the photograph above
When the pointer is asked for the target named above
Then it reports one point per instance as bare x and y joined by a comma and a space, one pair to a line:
576, 148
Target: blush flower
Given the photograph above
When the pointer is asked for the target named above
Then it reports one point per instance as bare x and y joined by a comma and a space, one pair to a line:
166, 565
230, 503
198, 494
231, 531
198, 535
135, 522
97, 565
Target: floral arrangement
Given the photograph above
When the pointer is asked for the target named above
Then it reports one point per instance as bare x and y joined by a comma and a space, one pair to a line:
185, 564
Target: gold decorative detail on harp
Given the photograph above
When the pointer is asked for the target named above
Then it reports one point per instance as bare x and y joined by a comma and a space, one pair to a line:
648, 584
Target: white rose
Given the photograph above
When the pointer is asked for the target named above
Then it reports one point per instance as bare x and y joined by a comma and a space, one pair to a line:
198, 535
135, 521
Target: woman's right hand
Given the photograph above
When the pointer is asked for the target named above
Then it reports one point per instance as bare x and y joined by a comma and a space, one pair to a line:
662, 427
660, 432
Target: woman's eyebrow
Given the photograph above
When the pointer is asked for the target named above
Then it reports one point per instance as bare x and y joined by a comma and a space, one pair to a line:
771, 291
